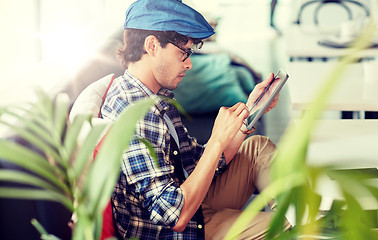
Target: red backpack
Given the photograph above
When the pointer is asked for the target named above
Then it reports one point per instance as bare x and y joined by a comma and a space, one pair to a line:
108, 228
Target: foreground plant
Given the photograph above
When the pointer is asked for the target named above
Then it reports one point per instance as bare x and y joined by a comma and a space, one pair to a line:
294, 182
62, 168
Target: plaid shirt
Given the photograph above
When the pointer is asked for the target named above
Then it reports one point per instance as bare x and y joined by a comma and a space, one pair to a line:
147, 199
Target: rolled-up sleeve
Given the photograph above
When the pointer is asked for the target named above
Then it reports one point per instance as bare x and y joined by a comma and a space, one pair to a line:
166, 207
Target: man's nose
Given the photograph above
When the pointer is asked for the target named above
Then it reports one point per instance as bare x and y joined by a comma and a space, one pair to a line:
188, 63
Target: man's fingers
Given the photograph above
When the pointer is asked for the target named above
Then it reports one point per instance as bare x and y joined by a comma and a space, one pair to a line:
266, 82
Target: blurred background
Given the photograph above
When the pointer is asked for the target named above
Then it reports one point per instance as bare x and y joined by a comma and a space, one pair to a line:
44, 42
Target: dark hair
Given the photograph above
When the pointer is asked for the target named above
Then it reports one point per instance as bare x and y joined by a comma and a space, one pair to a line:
133, 43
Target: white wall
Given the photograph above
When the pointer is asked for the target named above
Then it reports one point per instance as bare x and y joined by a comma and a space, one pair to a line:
44, 40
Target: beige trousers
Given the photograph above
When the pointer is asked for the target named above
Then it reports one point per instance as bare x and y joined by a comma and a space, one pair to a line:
248, 170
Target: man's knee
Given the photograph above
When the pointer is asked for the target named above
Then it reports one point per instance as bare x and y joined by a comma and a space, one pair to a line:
258, 144
261, 151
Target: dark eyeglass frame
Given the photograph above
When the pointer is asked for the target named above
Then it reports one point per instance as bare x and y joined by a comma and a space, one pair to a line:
188, 52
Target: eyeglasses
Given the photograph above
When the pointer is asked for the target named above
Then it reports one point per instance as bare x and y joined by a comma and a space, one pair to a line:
189, 51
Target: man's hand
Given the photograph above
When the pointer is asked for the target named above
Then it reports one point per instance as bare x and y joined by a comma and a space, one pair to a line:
258, 90
228, 123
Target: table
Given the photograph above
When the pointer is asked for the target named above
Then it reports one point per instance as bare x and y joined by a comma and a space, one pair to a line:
306, 78
347, 144
302, 43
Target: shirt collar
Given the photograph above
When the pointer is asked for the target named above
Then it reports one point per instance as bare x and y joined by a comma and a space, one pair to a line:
161, 105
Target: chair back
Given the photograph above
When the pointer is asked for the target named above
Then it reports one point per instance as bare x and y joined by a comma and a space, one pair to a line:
329, 15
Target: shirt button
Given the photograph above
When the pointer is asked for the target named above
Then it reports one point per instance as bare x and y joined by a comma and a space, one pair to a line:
217, 170
199, 226
175, 152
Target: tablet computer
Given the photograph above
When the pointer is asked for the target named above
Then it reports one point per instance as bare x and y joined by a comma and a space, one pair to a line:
266, 98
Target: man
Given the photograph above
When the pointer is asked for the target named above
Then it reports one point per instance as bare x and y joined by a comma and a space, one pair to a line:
195, 191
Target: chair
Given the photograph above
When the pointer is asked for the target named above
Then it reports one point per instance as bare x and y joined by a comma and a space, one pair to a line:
273, 4
351, 7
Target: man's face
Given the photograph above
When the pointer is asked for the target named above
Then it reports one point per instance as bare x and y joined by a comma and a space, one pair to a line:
170, 67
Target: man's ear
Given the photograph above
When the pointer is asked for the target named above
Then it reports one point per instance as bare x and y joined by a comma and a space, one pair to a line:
150, 45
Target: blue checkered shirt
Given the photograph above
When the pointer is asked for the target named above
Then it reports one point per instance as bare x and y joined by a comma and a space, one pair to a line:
147, 199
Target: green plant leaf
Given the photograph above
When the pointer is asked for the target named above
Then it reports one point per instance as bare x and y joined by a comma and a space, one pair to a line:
29, 110
178, 106
30, 160
73, 131
104, 173
85, 227
42, 231
26, 178
299, 203
60, 114
44, 104
43, 126
59, 120
28, 122
150, 149
353, 184
273, 189
277, 224
26, 193
33, 138
85, 152
357, 223
35, 127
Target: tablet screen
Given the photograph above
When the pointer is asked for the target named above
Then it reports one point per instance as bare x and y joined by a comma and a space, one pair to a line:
266, 98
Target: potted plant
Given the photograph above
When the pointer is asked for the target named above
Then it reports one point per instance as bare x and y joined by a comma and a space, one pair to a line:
63, 169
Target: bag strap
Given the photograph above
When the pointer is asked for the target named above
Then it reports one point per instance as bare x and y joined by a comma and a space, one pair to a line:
104, 97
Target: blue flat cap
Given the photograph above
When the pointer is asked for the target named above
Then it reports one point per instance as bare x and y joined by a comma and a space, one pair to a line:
167, 15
